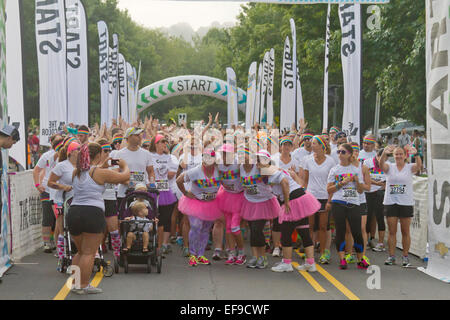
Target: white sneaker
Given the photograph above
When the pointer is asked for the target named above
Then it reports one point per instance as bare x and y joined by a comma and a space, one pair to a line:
283, 267
88, 290
307, 267
379, 247
276, 252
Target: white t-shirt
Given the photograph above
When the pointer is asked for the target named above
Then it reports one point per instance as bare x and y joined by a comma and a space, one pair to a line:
285, 166
192, 162
256, 189
47, 162
362, 196
173, 182
399, 185
275, 181
376, 174
111, 189
144, 226
137, 161
335, 155
231, 177
201, 186
163, 164
318, 175
347, 193
363, 155
64, 170
299, 155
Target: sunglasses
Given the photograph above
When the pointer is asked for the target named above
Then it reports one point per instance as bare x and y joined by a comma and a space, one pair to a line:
146, 146
343, 152
307, 139
107, 150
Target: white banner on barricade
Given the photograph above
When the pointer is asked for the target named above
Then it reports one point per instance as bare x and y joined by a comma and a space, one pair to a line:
419, 223
438, 133
26, 215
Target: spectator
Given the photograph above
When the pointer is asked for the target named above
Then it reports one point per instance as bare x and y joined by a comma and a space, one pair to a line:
404, 139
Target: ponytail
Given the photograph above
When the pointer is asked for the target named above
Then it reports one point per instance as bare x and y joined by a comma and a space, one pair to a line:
87, 153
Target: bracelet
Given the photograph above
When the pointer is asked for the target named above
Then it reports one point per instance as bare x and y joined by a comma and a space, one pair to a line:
37, 185
337, 186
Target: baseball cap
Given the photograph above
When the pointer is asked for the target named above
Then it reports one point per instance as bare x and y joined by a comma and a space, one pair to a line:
11, 131
133, 131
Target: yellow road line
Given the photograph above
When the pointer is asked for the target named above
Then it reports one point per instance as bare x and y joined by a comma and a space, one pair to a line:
310, 279
65, 290
334, 282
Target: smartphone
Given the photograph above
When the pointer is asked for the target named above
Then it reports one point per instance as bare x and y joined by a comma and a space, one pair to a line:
115, 162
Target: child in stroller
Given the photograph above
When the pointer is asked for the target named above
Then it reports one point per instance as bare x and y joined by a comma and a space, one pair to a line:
141, 228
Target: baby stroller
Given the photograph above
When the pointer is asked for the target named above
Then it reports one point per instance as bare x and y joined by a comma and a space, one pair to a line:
135, 254
70, 249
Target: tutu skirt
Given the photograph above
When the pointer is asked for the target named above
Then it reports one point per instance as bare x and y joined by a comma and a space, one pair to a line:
301, 208
166, 198
230, 202
203, 210
266, 210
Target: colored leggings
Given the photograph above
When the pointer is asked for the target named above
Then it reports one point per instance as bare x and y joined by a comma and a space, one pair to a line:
302, 226
233, 223
199, 235
352, 213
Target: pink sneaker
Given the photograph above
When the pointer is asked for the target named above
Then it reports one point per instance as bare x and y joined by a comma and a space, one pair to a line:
240, 260
203, 260
231, 260
193, 261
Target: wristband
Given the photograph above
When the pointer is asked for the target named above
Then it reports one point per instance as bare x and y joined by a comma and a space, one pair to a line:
37, 185
337, 186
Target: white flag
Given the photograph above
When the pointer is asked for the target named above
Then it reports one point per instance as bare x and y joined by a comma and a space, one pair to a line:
77, 64
136, 90
232, 98
131, 93
251, 95
51, 53
327, 63
350, 19
265, 84
258, 95
300, 109
287, 108
103, 54
271, 79
294, 64
113, 80
123, 88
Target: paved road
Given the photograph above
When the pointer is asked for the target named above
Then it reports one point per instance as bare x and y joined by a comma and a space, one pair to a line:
35, 278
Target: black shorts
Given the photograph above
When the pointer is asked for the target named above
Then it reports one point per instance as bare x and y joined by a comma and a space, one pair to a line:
323, 205
111, 208
86, 219
363, 207
48, 215
399, 211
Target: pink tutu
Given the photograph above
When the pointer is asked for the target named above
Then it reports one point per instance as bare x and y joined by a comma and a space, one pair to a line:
302, 207
266, 210
230, 202
203, 210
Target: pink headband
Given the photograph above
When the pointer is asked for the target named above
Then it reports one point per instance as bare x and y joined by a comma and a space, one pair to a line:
72, 147
158, 138
227, 148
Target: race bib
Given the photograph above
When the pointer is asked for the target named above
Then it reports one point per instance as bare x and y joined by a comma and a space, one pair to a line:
228, 187
162, 185
137, 177
397, 189
208, 196
251, 190
350, 193
110, 186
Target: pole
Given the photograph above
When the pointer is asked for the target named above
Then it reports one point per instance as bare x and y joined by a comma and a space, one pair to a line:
376, 125
335, 105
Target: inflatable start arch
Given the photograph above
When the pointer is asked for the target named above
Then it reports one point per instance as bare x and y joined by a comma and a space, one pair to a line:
186, 85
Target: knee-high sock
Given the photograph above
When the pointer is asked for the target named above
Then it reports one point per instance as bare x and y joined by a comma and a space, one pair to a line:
115, 242
60, 246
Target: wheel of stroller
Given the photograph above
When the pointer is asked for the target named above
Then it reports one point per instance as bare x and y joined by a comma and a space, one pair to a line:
116, 265
149, 264
125, 264
108, 271
158, 263
153, 257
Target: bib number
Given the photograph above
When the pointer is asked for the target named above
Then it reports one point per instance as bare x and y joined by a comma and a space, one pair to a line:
397, 189
251, 190
208, 196
110, 186
162, 185
228, 187
137, 177
350, 193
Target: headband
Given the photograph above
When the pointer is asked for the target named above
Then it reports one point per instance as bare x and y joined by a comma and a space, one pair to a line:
284, 140
356, 148
175, 149
320, 140
106, 147
146, 141
117, 139
334, 129
245, 150
263, 153
369, 140
59, 146
270, 140
68, 142
210, 152
307, 136
158, 138
72, 147
83, 132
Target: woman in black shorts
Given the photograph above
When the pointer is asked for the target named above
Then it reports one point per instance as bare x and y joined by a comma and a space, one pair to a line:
86, 218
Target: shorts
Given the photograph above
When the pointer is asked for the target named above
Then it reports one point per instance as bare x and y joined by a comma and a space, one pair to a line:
323, 205
398, 211
86, 219
48, 215
111, 208
363, 207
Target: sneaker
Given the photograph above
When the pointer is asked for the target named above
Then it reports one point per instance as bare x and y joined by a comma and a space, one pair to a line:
276, 252
179, 241
390, 261
283, 267
231, 260
350, 259
164, 249
59, 266
405, 262
88, 290
252, 263
193, 261
262, 263
217, 255
173, 239
240, 260
343, 264
307, 267
186, 252
203, 260
47, 248
379, 247
364, 263
325, 258
373, 243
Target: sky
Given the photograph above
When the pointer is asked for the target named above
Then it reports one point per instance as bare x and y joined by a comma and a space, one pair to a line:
157, 14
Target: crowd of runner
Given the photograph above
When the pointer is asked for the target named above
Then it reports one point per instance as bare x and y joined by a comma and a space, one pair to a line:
219, 187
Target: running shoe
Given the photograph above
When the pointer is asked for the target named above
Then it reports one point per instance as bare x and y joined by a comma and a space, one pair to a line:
276, 252
307, 267
193, 261
325, 258
180, 241
240, 260
372, 243
173, 239
405, 262
231, 260
283, 267
186, 252
364, 263
262, 263
252, 263
217, 255
165, 249
379, 247
59, 266
203, 260
343, 264
390, 261
88, 290
47, 248
350, 258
